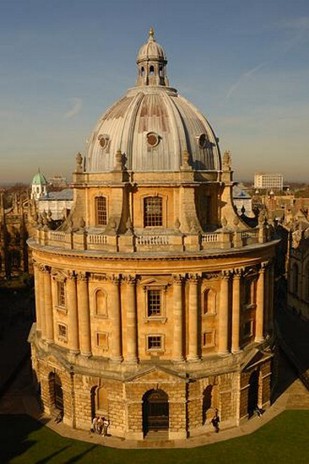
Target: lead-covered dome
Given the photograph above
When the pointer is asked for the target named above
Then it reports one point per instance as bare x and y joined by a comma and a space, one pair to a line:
152, 125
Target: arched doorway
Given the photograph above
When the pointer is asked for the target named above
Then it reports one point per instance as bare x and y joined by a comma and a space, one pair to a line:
207, 402
253, 393
155, 411
56, 393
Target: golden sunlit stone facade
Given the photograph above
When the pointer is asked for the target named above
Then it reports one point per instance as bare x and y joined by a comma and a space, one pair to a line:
153, 299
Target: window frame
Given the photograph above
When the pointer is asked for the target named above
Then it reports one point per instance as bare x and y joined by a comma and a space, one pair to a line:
101, 213
62, 336
211, 344
157, 349
61, 295
151, 219
106, 345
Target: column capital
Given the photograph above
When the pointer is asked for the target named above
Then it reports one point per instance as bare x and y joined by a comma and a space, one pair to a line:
45, 269
114, 278
178, 278
238, 272
82, 276
194, 278
129, 279
226, 273
71, 275
264, 265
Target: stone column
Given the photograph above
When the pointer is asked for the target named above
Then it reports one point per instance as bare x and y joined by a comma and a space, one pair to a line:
259, 323
83, 314
224, 313
270, 297
71, 294
178, 319
49, 321
236, 311
193, 318
116, 339
131, 321
38, 286
41, 298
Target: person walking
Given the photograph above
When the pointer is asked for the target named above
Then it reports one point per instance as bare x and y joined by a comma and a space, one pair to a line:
215, 421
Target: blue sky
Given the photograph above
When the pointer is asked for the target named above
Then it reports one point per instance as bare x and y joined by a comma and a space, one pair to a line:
243, 63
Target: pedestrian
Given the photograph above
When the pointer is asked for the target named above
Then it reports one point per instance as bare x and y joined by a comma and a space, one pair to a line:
94, 424
100, 425
215, 421
105, 426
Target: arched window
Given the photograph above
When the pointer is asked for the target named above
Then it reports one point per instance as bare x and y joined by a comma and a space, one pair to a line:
151, 70
101, 211
100, 303
153, 216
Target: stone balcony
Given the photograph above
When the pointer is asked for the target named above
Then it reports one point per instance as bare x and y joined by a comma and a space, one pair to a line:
150, 241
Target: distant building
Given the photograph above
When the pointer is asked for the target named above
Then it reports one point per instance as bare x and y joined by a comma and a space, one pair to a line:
58, 182
268, 181
38, 186
57, 204
243, 201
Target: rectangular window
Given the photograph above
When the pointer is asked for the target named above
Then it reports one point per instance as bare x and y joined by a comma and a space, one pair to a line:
61, 294
153, 212
153, 303
101, 211
62, 331
102, 340
208, 339
154, 342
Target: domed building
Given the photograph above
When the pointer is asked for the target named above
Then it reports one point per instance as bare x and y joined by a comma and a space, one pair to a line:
153, 299
38, 186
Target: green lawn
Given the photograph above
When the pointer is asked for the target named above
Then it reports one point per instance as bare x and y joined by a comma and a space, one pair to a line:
284, 440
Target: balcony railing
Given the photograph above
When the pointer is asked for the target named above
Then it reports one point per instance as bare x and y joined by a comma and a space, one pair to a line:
81, 240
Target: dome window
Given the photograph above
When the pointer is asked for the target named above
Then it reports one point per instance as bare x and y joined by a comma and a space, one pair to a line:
203, 141
103, 140
153, 139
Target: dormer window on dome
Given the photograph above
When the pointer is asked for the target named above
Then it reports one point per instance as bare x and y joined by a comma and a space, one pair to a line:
151, 62
103, 140
153, 139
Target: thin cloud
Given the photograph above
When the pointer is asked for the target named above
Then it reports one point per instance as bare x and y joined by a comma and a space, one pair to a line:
76, 108
298, 30
245, 76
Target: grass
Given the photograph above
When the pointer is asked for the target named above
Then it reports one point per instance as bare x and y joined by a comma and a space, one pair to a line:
284, 439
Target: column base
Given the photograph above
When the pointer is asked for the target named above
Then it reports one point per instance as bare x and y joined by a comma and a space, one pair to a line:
259, 340
178, 360
87, 354
116, 360
193, 358
224, 353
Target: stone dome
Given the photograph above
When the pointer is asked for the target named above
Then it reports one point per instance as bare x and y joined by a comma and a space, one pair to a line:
151, 50
152, 125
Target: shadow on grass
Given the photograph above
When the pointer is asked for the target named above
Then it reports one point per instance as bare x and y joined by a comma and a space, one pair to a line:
284, 439
14, 430
24, 439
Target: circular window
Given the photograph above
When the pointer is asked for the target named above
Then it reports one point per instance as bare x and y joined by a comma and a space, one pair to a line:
202, 141
103, 140
153, 139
